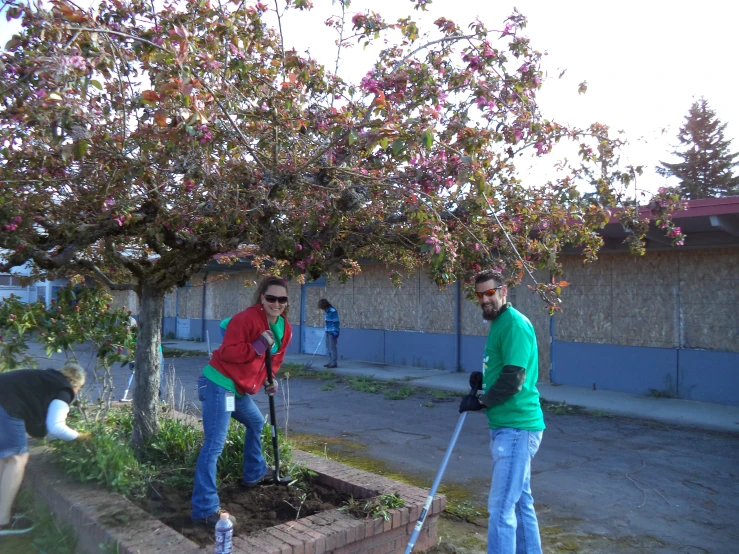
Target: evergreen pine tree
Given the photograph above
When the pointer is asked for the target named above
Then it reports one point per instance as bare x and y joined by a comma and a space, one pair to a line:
706, 169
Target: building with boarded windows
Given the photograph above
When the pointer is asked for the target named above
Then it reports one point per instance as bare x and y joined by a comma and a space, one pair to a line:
663, 323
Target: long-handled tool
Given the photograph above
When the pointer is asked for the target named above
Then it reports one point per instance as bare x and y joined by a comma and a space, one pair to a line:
310, 362
273, 423
437, 481
125, 398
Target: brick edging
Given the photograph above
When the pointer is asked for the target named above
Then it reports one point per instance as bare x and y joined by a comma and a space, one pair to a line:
102, 518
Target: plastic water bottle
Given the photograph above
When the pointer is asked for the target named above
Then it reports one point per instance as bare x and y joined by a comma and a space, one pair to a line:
224, 535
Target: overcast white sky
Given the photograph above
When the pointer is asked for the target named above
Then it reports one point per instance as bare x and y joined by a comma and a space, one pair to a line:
645, 61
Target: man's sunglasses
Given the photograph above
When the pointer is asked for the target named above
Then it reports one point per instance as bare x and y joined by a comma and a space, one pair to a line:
488, 293
272, 299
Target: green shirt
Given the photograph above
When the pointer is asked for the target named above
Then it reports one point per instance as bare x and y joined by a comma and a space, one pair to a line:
512, 341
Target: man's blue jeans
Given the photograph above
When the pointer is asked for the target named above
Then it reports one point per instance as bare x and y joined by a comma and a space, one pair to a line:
215, 426
512, 527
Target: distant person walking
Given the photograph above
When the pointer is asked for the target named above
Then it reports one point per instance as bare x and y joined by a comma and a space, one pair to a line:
333, 328
33, 401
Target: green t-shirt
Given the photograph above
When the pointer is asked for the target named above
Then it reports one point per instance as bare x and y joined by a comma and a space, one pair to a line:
511, 341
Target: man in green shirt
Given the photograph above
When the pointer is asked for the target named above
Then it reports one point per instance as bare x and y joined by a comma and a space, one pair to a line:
510, 399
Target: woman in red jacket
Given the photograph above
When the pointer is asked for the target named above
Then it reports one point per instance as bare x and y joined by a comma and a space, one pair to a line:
236, 371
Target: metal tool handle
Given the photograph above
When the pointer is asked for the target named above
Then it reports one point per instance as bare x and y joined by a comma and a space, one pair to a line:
272, 417
437, 481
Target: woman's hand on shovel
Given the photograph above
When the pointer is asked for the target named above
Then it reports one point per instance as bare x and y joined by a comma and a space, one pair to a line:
270, 388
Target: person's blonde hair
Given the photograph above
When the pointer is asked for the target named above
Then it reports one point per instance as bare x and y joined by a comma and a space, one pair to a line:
74, 373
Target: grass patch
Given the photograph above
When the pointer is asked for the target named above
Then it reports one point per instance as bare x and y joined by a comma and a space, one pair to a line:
401, 393
465, 511
179, 353
560, 408
47, 537
428, 404
367, 384
328, 387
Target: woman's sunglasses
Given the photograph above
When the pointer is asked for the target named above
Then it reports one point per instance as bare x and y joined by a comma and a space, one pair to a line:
272, 299
488, 293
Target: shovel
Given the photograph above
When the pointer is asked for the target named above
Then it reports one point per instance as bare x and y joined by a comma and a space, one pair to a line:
273, 423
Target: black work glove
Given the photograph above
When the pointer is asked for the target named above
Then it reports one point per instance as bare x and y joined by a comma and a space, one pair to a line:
470, 403
476, 380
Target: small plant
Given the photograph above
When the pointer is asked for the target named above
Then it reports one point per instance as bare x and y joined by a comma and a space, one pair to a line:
378, 506
400, 394
106, 457
657, 393
465, 511
366, 384
560, 408
329, 386
428, 405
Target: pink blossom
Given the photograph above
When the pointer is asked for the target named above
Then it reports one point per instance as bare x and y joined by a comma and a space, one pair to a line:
519, 134
541, 148
524, 68
41, 93
264, 106
189, 186
680, 243
316, 245
476, 246
119, 220
507, 30
17, 219
675, 232
298, 247
11, 227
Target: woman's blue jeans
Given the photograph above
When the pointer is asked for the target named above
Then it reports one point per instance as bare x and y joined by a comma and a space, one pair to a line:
215, 426
512, 527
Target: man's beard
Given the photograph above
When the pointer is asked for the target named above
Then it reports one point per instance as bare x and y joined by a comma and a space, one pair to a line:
490, 312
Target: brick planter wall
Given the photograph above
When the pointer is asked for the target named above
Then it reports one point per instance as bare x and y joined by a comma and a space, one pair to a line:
101, 518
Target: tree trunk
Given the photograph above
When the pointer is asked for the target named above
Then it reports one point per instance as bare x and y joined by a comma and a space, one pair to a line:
146, 379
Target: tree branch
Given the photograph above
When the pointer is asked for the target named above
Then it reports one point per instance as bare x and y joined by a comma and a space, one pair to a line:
103, 277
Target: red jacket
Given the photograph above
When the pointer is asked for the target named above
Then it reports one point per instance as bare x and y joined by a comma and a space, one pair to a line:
237, 359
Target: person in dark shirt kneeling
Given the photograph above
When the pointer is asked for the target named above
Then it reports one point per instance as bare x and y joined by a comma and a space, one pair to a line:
34, 402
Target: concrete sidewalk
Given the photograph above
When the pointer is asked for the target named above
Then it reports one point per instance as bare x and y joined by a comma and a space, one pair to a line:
702, 415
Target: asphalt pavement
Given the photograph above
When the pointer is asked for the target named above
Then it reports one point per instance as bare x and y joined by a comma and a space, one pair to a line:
631, 475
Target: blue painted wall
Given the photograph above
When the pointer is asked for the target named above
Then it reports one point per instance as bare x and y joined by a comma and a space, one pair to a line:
621, 368
362, 344
472, 352
709, 376
420, 349
703, 375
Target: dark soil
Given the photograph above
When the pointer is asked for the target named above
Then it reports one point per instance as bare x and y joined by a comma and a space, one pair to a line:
254, 509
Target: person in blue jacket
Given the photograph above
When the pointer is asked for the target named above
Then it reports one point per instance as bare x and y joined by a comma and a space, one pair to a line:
333, 328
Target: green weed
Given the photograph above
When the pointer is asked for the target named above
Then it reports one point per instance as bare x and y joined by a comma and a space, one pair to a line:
465, 511
179, 353
400, 394
364, 383
378, 506
560, 408
328, 386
